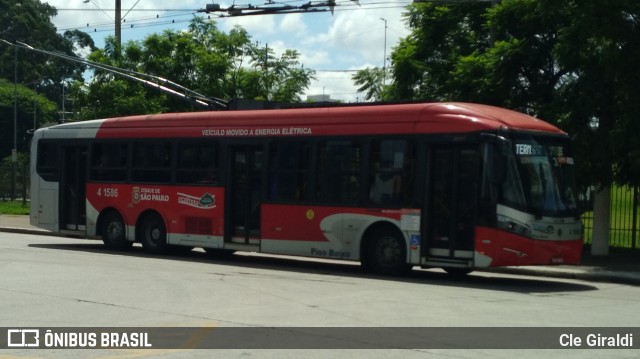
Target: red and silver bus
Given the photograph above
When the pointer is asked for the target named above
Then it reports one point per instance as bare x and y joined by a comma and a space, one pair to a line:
451, 185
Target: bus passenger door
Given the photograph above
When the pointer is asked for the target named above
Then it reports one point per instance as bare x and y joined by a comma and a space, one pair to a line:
452, 202
73, 182
245, 184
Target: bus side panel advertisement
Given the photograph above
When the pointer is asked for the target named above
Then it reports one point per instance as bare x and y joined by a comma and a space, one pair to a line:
186, 210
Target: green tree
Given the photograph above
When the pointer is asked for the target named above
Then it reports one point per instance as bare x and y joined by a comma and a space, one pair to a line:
203, 59
31, 107
39, 76
28, 21
600, 46
440, 36
371, 81
571, 62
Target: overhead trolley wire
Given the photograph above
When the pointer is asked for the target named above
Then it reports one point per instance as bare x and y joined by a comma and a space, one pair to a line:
270, 8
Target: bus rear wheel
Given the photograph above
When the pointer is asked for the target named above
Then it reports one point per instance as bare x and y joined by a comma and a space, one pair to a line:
113, 231
153, 234
386, 253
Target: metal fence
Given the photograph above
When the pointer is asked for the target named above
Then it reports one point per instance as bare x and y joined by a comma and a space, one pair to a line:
17, 190
624, 218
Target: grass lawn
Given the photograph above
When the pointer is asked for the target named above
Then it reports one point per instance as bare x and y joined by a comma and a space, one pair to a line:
14, 207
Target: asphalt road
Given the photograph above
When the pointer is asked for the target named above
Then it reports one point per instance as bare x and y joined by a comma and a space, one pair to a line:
61, 282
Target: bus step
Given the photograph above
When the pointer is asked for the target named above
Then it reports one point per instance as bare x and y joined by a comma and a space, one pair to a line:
242, 247
74, 234
447, 262
75, 227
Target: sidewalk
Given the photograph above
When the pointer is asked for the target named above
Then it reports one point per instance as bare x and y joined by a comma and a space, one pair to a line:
620, 266
19, 224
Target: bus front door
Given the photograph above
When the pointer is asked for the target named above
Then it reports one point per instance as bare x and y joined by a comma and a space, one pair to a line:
452, 203
245, 184
73, 188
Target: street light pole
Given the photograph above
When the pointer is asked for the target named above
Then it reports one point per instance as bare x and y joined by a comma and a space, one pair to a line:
384, 62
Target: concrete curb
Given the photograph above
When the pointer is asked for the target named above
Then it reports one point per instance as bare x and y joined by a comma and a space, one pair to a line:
39, 232
589, 276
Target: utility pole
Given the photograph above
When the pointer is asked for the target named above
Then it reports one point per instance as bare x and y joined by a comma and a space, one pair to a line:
117, 20
118, 26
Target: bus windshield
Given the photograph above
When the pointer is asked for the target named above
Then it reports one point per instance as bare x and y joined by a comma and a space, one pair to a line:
545, 169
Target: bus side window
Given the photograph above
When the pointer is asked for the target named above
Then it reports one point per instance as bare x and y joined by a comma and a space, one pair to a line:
198, 163
151, 162
391, 169
47, 164
340, 162
289, 163
108, 162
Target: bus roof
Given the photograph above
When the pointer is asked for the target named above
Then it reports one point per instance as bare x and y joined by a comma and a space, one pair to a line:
449, 117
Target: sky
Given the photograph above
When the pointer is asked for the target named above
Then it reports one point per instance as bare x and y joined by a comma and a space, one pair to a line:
334, 45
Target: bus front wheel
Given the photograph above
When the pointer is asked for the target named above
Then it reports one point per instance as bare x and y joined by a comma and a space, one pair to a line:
386, 253
153, 234
113, 230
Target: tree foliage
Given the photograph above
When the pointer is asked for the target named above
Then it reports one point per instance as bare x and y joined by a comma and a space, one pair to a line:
28, 21
39, 77
30, 105
203, 59
371, 81
570, 62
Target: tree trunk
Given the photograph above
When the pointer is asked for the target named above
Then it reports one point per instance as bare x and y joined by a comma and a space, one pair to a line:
601, 221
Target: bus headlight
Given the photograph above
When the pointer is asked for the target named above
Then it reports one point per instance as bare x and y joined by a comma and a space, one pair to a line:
510, 225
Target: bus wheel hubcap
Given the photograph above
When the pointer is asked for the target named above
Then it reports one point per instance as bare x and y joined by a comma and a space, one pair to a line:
388, 250
155, 234
114, 230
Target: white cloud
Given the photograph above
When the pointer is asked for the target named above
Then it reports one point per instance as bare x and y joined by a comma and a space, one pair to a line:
253, 24
313, 58
293, 24
338, 85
